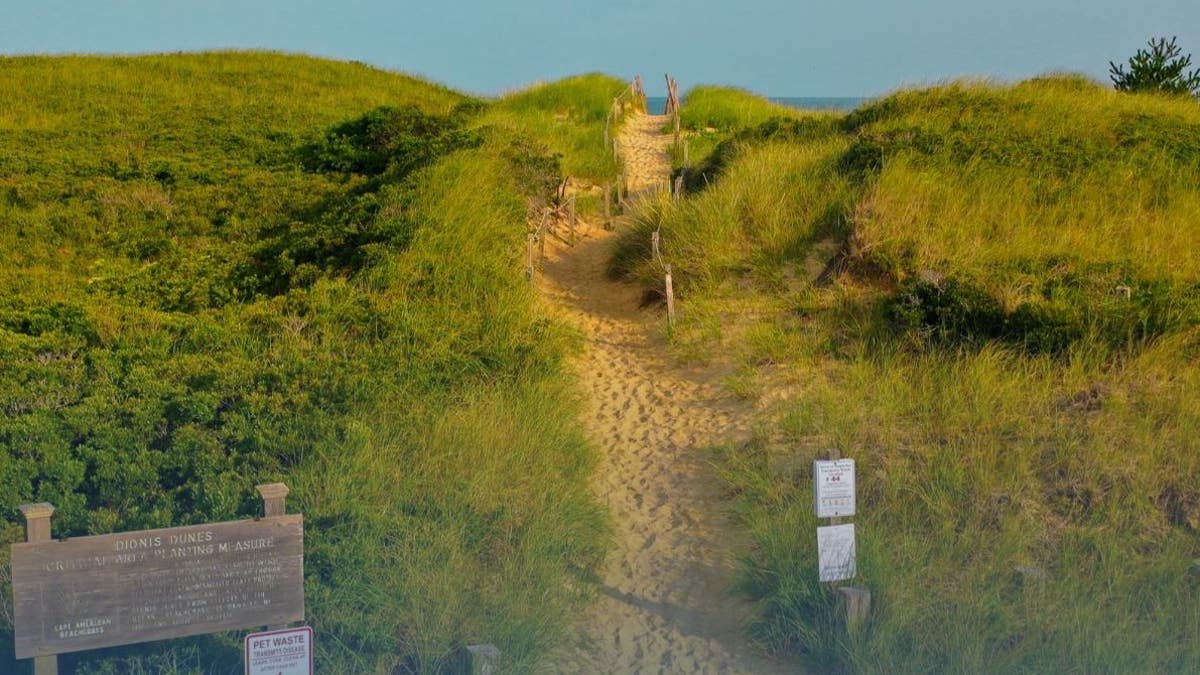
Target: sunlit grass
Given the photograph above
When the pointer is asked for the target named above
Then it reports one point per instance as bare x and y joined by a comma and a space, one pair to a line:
1021, 508
411, 395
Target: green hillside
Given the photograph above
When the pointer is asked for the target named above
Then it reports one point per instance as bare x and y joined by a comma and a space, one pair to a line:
989, 297
223, 269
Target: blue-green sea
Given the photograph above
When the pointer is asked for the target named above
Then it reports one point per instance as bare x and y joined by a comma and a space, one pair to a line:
657, 103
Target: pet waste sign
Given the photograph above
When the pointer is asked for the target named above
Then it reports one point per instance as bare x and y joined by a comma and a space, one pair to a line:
280, 652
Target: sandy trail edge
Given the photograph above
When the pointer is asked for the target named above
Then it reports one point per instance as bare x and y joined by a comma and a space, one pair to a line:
665, 604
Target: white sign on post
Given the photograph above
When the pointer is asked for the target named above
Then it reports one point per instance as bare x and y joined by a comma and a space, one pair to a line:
280, 652
836, 552
833, 488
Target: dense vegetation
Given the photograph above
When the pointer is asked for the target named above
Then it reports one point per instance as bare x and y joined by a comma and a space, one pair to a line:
989, 297
231, 268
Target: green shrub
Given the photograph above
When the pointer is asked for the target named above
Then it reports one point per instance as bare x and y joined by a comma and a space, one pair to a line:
395, 140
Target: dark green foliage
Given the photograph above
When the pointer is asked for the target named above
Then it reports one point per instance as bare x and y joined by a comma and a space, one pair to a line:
535, 170
869, 151
951, 311
1076, 301
396, 140
1163, 68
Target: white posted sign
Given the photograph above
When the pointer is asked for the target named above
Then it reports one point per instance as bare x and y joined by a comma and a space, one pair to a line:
833, 488
836, 552
280, 652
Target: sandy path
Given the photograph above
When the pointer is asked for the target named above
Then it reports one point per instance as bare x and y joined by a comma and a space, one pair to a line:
665, 603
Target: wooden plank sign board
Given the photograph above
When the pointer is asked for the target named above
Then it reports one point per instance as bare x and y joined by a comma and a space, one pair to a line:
836, 554
280, 652
117, 589
833, 488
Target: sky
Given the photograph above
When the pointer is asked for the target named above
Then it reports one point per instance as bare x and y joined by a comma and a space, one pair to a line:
774, 47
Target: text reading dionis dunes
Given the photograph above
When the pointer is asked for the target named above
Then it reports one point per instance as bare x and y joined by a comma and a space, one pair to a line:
117, 589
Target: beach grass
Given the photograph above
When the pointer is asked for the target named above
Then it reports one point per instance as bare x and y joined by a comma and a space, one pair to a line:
986, 295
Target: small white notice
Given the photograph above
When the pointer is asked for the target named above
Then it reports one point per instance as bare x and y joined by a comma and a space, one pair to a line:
280, 652
833, 488
836, 552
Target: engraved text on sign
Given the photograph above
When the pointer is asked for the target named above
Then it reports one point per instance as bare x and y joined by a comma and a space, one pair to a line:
116, 589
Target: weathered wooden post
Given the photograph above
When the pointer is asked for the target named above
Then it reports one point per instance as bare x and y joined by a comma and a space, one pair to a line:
37, 529
483, 659
529, 256
274, 496
675, 109
608, 207
856, 603
670, 300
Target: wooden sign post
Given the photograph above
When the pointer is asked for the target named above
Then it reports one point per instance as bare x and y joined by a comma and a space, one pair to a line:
834, 497
37, 530
129, 587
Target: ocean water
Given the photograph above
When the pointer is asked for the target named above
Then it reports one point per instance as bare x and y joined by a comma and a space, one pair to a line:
656, 104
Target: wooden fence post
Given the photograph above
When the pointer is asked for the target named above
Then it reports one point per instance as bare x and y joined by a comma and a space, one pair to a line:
670, 300
529, 256
37, 529
608, 207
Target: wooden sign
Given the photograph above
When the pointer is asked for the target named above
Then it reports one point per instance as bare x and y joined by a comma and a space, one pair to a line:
280, 652
833, 488
117, 589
